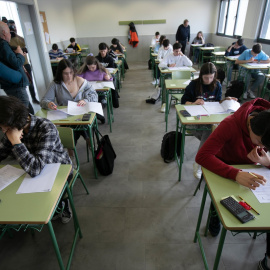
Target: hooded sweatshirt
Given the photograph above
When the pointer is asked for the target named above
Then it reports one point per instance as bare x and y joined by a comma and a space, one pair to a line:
230, 143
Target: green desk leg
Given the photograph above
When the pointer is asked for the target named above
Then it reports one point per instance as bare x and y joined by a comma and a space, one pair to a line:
162, 79
156, 69
197, 232
77, 233
220, 247
167, 108
95, 125
183, 130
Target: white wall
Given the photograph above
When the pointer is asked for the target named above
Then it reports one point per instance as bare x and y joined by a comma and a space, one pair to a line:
59, 15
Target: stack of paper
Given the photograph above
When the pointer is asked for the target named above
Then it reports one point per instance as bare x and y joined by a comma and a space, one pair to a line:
100, 85
179, 68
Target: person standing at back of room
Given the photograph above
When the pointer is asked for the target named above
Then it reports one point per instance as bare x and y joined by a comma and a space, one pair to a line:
183, 35
13, 59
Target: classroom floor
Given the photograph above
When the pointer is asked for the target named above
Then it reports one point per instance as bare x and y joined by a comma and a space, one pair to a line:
140, 217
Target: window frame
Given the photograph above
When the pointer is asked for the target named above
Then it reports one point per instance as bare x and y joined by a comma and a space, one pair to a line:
263, 40
226, 16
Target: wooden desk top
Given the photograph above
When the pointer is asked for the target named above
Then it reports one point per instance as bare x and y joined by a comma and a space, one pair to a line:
205, 120
220, 187
71, 120
31, 208
218, 53
260, 66
55, 60
207, 48
73, 53
154, 54
176, 84
231, 58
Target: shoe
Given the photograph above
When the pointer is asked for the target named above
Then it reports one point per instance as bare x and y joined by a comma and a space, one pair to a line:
163, 107
156, 93
67, 214
251, 94
197, 171
103, 101
58, 214
153, 82
262, 264
245, 95
150, 100
214, 224
36, 101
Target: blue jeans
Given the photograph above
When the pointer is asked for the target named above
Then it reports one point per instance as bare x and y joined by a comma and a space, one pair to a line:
21, 94
258, 76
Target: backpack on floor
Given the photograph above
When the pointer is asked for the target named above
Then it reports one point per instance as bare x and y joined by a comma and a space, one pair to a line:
221, 75
115, 97
168, 146
150, 64
236, 89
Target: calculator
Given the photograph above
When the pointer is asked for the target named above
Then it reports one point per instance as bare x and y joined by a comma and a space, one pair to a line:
236, 209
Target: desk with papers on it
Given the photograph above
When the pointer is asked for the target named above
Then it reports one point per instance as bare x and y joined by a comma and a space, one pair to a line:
249, 67
76, 123
194, 47
219, 187
186, 124
34, 210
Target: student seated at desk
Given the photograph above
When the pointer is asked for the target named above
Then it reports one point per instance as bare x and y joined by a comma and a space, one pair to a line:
104, 58
176, 58
67, 86
32, 141
254, 55
205, 88
159, 44
241, 138
92, 70
56, 53
197, 40
155, 40
73, 45
117, 47
236, 48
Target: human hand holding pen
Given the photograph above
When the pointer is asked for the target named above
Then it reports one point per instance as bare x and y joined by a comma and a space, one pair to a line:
52, 106
81, 103
250, 180
199, 102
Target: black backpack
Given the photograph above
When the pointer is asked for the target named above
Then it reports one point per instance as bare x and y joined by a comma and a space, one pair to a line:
150, 64
168, 146
221, 75
236, 89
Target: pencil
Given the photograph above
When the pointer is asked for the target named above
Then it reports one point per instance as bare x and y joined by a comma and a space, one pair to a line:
249, 205
253, 174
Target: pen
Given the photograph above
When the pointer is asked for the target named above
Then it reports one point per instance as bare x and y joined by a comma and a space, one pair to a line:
249, 205
253, 174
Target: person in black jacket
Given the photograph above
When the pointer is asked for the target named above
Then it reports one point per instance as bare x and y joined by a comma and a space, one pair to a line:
183, 35
104, 58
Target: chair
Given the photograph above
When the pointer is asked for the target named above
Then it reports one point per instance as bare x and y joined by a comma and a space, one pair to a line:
85, 51
67, 138
219, 60
178, 75
266, 85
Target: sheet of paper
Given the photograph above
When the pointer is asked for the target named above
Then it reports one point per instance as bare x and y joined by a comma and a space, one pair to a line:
213, 107
179, 68
8, 174
100, 85
56, 114
41, 183
195, 110
111, 70
28, 28
73, 109
108, 84
258, 64
187, 82
262, 193
233, 57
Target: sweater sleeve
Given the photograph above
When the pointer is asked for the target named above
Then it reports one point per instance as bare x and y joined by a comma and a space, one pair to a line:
187, 62
206, 156
189, 93
49, 96
90, 93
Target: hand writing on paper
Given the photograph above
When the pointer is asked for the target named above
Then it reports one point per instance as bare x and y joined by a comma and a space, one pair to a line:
14, 135
172, 65
250, 181
258, 155
198, 102
52, 106
107, 77
251, 60
81, 103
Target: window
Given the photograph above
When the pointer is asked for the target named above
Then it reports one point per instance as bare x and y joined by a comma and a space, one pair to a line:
264, 35
232, 16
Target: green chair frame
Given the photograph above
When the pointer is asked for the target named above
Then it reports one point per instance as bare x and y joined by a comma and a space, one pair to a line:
266, 86
66, 135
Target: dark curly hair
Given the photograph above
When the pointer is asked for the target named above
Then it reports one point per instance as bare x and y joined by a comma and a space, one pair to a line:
13, 113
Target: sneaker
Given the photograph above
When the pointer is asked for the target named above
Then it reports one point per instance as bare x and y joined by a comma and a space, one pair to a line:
245, 95
197, 170
163, 107
59, 213
153, 82
67, 214
251, 94
262, 264
214, 224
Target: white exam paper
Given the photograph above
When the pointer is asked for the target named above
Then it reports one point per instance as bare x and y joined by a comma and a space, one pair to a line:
8, 174
187, 82
100, 85
73, 109
195, 110
56, 114
258, 64
179, 68
262, 193
41, 183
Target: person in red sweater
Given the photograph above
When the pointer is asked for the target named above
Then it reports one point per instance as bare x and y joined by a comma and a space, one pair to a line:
241, 138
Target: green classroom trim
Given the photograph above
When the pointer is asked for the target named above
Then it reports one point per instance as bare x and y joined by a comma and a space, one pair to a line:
142, 22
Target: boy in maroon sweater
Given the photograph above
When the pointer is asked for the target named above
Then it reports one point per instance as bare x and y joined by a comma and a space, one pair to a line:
241, 138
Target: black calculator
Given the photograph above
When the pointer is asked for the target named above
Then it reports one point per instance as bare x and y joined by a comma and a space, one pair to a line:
236, 209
